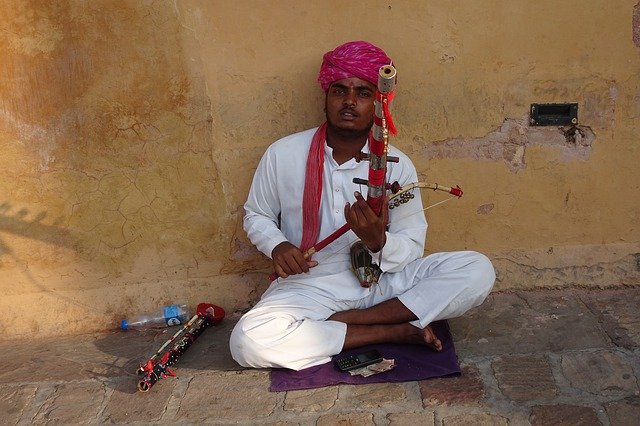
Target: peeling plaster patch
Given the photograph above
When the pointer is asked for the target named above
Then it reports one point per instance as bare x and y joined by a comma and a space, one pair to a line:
446, 40
574, 141
510, 141
574, 135
635, 23
514, 155
447, 59
485, 208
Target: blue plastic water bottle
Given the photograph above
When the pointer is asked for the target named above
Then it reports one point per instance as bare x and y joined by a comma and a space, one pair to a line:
166, 317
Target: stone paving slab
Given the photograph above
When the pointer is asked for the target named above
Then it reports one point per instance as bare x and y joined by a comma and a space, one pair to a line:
600, 372
565, 357
525, 377
466, 389
528, 322
618, 312
544, 415
127, 405
13, 401
624, 412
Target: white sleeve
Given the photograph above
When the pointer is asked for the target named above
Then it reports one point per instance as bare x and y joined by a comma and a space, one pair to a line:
262, 209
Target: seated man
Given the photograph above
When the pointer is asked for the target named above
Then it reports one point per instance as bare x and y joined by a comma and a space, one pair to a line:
302, 191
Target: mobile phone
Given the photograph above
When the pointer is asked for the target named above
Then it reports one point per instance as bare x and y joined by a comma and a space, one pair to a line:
360, 360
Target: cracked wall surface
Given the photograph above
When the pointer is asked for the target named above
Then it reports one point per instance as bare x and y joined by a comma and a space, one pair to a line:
131, 130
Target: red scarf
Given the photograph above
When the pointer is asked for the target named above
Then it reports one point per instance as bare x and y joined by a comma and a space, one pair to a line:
313, 189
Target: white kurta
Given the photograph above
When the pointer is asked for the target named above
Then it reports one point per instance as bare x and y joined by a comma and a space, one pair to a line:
288, 327
277, 192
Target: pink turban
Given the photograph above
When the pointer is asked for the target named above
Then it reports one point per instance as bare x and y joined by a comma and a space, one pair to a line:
353, 59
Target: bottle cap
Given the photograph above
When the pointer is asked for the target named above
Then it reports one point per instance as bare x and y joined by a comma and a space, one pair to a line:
124, 324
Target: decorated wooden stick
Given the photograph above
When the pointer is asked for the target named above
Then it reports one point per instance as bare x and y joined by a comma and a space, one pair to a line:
157, 367
379, 140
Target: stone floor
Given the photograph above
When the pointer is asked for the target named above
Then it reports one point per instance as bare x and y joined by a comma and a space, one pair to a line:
569, 357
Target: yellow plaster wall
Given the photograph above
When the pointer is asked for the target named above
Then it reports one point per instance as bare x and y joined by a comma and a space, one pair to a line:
130, 131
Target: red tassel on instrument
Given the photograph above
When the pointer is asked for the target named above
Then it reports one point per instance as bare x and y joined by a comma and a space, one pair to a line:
387, 113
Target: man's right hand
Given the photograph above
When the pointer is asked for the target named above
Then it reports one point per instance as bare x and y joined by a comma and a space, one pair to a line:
289, 260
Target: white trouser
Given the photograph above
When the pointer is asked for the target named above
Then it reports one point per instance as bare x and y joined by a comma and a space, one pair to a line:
290, 330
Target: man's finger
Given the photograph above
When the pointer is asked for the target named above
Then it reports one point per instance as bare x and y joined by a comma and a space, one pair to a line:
365, 210
353, 215
298, 262
280, 272
301, 261
293, 266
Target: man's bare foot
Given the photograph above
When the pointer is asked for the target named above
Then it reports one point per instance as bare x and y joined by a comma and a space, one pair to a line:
389, 321
423, 336
431, 339
360, 335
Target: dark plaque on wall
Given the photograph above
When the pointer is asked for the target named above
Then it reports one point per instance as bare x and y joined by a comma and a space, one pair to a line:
554, 114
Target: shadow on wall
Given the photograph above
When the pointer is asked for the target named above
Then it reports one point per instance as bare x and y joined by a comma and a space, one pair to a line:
20, 224
115, 136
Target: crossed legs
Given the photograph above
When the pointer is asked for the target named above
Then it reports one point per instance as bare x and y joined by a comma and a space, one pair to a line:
294, 330
388, 321
440, 286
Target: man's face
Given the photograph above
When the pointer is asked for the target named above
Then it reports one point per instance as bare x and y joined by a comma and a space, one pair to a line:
349, 105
